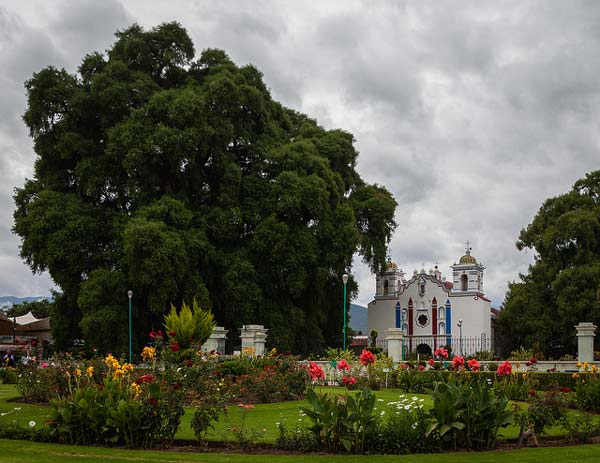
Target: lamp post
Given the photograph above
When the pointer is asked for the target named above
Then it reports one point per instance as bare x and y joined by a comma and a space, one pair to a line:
345, 281
459, 324
130, 295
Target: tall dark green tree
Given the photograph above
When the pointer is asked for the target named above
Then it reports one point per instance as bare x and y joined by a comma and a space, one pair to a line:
562, 287
180, 178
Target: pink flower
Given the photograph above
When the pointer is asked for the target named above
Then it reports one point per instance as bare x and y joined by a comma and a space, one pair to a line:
343, 365
505, 368
458, 362
474, 365
315, 371
421, 367
44, 365
431, 362
366, 357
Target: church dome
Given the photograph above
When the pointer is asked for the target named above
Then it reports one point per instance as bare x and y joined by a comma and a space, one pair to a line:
391, 266
467, 259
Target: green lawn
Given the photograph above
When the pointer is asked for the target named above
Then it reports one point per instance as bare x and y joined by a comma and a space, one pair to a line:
263, 416
30, 452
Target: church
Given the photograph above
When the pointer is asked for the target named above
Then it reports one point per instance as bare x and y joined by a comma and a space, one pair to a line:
433, 312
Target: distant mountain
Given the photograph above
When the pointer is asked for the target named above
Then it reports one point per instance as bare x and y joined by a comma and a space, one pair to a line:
358, 318
9, 301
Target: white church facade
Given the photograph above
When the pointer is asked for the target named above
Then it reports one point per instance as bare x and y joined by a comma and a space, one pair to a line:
433, 312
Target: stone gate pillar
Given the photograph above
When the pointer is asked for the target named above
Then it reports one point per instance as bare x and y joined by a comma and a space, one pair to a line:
216, 341
585, 341
255, 337
395, 341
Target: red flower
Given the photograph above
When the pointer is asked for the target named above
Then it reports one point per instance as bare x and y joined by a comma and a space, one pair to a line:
504, 369
174, 346
189, 363
366, 357
421, 367
441, 352
349, 380
172, 333
404, 366
34, 343
315, 371
145, 379
474, 365
458, 362
343, 365
564, 389
533, 360
431, 362
274, 367
531, 392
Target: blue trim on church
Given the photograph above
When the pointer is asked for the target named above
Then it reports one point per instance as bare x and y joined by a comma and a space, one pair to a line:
398, 315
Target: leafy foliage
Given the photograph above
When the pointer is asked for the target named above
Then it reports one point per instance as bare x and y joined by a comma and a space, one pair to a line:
178, 178
190, 324
561, 287
468, 414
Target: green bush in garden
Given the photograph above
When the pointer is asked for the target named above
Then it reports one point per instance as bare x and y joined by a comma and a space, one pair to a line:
8, 376
587, 391
341, 422
129, 408
401, 429
468, 414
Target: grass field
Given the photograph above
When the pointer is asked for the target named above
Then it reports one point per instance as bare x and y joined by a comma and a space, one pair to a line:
263, 416
30, 452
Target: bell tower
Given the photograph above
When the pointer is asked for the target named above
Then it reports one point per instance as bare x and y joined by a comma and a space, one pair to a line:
467, 274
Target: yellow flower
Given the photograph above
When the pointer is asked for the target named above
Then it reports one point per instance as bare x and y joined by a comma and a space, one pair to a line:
524, 375
118, 374
594, 369
136, 389
578, 364
575, 375
77, 372
586, 365
127, 367
90, 371
274, 351
149, 353
248, 351
112, 362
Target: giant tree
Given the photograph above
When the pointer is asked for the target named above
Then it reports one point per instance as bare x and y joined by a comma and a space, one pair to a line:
181, 178
562, 286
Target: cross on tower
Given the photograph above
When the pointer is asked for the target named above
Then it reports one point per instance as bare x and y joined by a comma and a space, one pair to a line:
468, 243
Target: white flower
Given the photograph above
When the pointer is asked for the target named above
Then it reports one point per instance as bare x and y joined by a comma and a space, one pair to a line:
32, 423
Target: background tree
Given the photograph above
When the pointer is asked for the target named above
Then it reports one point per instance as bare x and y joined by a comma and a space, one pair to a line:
40, 309
562, 287
180, 178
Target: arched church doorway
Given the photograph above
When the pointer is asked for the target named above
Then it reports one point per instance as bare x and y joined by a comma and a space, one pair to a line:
424, 349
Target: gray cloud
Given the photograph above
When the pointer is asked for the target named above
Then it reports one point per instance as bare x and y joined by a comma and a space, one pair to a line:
471, 113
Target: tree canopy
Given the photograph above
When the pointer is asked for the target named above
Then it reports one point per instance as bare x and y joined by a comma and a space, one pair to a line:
562, 287
181, 178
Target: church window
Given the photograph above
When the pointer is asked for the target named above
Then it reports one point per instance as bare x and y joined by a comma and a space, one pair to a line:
422, 320
442, 328
464, 280
441, 312
398, 316
386, 287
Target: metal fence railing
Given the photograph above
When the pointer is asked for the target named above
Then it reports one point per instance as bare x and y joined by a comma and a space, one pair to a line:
425, 345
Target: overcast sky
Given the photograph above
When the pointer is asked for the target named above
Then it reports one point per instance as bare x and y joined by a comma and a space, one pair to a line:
471, 113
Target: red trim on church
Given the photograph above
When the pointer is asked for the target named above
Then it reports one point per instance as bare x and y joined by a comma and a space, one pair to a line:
410, 317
